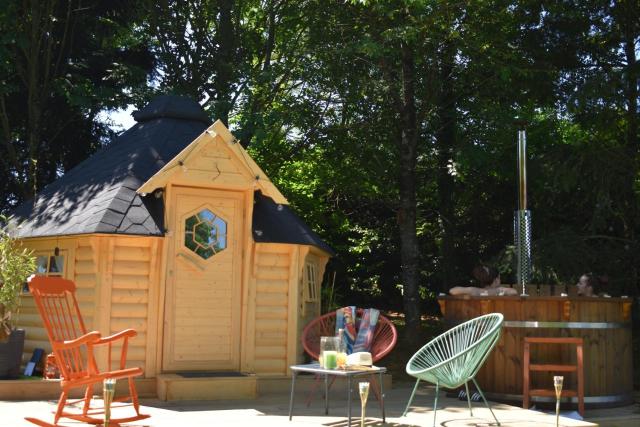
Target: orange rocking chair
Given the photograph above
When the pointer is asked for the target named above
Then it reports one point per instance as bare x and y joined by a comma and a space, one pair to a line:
74, 351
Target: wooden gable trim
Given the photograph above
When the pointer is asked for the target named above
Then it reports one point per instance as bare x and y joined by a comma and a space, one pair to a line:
219, 134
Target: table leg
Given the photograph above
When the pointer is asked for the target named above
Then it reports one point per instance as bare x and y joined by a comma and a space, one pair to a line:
384, 418
293, 387
349, 399
326, 394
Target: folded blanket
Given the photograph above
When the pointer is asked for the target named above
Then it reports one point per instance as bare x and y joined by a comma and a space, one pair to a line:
368, 323
361, 339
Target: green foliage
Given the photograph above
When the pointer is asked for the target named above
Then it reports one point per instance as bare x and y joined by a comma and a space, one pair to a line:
61, 63
16, 264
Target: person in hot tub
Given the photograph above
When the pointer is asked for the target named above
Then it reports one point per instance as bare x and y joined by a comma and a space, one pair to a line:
489, 279
589, 285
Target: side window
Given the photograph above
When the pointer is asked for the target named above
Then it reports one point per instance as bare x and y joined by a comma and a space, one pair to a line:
50, 264
311, 284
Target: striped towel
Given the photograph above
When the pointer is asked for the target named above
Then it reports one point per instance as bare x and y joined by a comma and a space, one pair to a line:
361, 339
368, 323
346, 320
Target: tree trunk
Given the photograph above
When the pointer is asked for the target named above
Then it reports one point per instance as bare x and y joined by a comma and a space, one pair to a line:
445, 142
224, 75
41, 61
631, 94
407, 185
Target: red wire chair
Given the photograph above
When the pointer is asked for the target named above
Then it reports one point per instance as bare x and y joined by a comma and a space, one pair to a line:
384, 340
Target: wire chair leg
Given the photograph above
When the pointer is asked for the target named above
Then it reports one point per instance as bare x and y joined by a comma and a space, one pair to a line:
316, 384
435, 405
466, 386
485, 400
404, 414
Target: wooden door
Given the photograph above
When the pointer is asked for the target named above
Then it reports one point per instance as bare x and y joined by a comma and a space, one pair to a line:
202, 304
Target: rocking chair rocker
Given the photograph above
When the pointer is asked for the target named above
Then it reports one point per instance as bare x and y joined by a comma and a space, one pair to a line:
74, 350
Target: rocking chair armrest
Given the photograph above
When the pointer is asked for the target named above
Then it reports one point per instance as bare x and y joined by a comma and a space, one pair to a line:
88, 338
127, 333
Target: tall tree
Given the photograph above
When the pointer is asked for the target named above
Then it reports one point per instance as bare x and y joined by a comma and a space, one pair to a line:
62, 63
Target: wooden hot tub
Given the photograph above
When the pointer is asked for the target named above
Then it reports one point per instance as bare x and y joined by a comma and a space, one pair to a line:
603, 323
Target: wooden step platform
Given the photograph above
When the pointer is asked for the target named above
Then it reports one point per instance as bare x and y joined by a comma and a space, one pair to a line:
203, 387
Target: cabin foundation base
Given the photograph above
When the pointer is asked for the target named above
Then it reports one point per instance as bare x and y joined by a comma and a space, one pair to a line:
176, 387
39, 389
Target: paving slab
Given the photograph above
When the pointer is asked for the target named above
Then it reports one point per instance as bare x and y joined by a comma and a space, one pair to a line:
273, 411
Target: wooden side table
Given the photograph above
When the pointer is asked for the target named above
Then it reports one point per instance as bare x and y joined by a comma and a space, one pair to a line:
527, 392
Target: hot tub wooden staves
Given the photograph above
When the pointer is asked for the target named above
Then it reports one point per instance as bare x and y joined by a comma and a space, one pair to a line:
603, 323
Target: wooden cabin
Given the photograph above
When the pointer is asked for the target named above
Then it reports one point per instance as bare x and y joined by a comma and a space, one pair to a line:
174, 230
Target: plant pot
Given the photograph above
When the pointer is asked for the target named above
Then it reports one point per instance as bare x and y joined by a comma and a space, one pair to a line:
11, 354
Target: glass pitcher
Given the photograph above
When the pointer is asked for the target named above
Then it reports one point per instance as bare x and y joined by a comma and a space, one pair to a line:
329, 347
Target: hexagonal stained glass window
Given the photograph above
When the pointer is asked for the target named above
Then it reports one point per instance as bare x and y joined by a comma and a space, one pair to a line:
205, 233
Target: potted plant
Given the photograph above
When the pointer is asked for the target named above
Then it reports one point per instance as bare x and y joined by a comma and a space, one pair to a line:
16, 264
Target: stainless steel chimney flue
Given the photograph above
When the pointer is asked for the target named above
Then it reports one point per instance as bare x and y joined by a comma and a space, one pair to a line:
522, 219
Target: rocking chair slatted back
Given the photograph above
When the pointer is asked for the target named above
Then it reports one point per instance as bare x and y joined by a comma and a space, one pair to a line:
56, 301
384, 337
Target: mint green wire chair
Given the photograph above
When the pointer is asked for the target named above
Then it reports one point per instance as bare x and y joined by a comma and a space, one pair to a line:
454, 358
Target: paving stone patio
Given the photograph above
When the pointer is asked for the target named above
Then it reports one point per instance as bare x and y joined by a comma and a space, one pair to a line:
273, 411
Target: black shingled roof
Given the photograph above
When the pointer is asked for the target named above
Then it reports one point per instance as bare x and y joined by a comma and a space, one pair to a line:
99, 195
276, 223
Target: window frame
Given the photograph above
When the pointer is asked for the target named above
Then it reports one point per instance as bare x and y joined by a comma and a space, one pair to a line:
48, 255
189, 234
310, 282
62, 253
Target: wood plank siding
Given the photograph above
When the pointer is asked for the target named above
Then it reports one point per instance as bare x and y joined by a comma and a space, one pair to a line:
117, 288
280, 309
271, 275
133, 271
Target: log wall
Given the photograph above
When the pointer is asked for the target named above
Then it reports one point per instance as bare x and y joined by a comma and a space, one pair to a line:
271, 276
117, 288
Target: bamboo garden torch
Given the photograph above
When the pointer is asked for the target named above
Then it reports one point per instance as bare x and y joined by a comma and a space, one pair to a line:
557, 384
108, 390
364, 394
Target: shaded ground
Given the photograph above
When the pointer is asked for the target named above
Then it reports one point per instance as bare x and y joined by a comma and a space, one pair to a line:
273, 410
